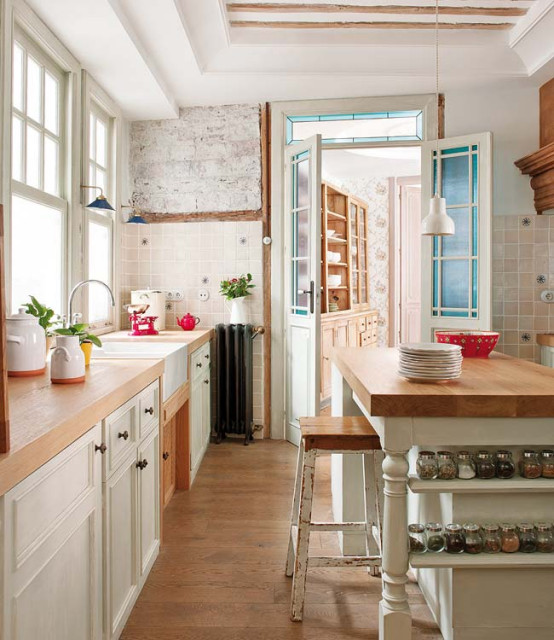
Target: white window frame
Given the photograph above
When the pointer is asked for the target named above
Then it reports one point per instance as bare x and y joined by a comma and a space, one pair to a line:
279, 113
16, 15
97, 101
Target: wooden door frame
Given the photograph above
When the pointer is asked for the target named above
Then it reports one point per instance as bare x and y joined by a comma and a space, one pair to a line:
279, 113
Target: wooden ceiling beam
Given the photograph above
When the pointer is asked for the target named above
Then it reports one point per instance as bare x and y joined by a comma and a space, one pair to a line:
280, 7
260, 24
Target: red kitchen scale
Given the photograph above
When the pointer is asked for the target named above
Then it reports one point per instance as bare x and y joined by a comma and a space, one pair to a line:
141, 325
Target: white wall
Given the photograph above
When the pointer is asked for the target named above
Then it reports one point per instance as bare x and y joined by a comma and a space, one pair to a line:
511, 112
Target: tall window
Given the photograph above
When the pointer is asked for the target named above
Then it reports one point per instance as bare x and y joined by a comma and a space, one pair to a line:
100, 224
38, 206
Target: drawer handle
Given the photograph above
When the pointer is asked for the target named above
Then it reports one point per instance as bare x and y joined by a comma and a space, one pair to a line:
165, 455
124, 435
150, 411
198, 364
207, 357
142, 464
206, 382
326, 358
101, 447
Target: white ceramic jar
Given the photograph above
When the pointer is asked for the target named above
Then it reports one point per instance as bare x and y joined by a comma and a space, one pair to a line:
26, 345
67, 365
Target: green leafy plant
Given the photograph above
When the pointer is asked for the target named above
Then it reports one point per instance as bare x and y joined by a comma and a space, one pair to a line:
47, 318
80, 330
236, 287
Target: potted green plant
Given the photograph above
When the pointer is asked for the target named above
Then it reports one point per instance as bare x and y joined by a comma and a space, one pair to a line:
86, 339
47, 318
236, 291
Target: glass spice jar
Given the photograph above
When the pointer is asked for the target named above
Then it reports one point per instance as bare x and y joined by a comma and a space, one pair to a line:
426, 465
466, 466
454, 538
510, 539
547, 463
435, 537
446, 465
492, 542
473, 540
545, 539
527, 538
505, 465
529, 464
417, 538
484, 465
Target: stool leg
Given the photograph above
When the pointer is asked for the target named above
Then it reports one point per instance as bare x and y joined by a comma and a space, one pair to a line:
371, 509
294, 510
303, 541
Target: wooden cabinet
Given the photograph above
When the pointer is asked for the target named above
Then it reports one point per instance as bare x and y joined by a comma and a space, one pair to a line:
169, 459
200, 407
52, 548
349, 329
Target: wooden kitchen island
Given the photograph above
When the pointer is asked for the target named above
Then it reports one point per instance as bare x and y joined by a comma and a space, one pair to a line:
499, 402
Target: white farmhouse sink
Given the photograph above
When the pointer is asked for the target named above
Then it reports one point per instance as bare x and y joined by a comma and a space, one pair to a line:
173, 354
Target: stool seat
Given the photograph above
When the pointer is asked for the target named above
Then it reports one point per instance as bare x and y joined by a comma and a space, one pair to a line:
339, 433
324, 435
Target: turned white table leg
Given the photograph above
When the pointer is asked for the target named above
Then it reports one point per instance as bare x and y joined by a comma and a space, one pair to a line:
395, 621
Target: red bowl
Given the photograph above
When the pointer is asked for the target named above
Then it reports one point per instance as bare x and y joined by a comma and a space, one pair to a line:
475, 344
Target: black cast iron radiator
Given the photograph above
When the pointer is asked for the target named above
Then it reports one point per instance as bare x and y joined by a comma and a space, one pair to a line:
234, 403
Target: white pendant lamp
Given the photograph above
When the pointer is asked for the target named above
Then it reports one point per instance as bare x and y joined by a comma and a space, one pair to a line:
437, 222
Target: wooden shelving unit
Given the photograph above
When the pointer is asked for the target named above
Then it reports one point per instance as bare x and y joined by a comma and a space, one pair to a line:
445, 560
475, 485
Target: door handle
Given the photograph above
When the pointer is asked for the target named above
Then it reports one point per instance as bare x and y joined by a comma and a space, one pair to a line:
150, 410
310, 292
101, 447
142, 464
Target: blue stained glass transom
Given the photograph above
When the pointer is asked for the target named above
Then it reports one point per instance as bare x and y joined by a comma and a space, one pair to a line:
455, 267
357, 127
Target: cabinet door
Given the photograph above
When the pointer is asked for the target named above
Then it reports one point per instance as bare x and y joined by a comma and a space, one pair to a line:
148, 503
206, 410
196, 422
327, 333
353, 333
341, 334
169, 460
120, 545
52, 548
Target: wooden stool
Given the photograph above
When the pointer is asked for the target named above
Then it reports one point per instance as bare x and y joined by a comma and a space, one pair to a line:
324, 435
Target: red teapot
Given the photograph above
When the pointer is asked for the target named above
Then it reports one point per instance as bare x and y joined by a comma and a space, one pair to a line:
188, 322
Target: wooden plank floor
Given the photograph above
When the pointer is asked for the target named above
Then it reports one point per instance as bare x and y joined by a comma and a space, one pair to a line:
220, 573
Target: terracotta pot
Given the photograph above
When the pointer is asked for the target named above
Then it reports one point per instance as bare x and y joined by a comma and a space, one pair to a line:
87, 350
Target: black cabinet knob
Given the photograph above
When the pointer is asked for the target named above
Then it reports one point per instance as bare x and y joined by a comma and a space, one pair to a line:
124, 435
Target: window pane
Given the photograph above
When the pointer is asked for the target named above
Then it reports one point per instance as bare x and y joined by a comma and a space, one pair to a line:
37, 233
17, 149
455, 180
100, 180
458, 244
33, 157
17, 80
34, 90
92, 137
51, 103
455, 284
51, 182
99, 251
101, 143
91, 177
302, 187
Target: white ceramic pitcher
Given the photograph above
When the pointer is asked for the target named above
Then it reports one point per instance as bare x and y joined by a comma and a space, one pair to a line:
26, 345
67, 365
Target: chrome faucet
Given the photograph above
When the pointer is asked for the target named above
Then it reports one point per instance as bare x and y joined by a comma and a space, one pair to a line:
69, 319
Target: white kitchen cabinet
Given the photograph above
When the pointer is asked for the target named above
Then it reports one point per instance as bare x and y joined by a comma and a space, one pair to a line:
52, 548
148, 477
200, 406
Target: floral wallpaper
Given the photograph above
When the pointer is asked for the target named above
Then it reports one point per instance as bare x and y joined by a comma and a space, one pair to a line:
375, 191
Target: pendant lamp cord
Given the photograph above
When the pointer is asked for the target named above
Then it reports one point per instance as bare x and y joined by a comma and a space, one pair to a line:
437, 79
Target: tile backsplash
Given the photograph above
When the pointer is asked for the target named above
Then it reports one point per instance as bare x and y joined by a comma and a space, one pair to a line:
192, 256
523, 266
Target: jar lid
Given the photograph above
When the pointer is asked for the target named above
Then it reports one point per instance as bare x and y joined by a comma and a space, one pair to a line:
416, 528
529, 453
526, 526
503, 454
508, 527
464, 455
23, 317
453, 528
484, 455
445, 454
491, 528
470, 526
426, 454
434, 526
548, 453
543, 526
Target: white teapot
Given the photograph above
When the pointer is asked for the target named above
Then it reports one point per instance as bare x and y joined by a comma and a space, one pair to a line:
67, 365
26, 345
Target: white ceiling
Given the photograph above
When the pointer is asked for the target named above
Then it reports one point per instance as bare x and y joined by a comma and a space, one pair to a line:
154, 56
384, 162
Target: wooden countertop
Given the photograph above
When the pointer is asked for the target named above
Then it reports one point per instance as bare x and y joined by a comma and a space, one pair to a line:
545, 339
193, 339
46, 418
498, 386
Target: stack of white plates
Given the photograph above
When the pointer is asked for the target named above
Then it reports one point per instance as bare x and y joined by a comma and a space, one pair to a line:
430, 362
